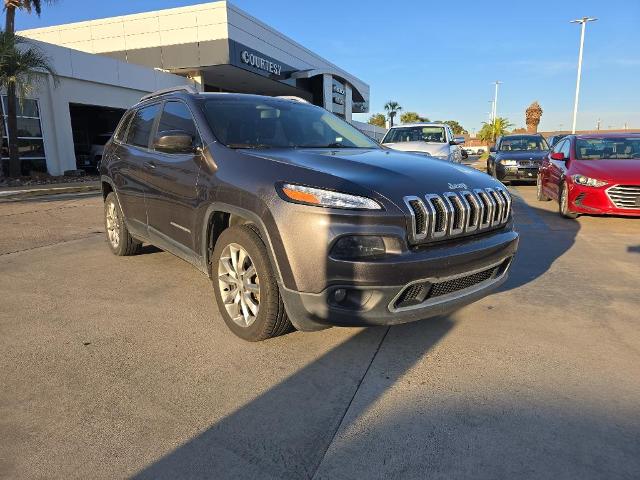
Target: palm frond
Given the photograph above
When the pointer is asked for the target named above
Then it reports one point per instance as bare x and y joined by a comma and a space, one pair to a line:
22, 65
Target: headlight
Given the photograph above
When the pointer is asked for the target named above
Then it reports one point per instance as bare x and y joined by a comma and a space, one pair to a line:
508, 163
587, 181
327, 198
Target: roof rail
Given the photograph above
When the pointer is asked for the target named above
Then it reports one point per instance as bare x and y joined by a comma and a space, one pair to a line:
181, 88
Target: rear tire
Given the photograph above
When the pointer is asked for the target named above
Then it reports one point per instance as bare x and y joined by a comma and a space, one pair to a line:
563, 203
119, 239
539, 193
245, 286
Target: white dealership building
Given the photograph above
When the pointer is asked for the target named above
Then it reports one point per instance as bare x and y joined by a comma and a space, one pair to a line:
106, 65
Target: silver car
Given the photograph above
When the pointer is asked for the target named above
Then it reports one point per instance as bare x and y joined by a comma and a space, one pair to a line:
433, 139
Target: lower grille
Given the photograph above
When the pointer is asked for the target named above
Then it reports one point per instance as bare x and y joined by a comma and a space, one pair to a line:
417, 293
625, 196
451, 286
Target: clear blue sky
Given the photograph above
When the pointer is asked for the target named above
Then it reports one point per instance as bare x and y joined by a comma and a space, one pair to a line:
439, 58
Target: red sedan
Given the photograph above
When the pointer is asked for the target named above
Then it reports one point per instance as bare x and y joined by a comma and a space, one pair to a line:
593, 174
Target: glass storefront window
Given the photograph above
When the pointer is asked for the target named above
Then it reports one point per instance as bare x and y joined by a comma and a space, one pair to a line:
30, 141
29, 107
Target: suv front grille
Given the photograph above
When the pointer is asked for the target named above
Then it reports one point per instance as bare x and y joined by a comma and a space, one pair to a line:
437, 217
625, 196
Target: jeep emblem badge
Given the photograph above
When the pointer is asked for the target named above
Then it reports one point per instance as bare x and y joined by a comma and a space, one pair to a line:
454, 186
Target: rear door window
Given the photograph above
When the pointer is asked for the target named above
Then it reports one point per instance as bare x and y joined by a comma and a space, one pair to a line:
141, 126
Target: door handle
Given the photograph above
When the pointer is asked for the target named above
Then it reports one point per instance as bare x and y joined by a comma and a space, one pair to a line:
150, 165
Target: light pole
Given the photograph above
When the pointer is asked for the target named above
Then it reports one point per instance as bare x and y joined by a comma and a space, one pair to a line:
495, 101
583, 22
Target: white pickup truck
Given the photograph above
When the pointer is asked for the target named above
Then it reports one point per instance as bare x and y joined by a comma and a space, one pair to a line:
433, 139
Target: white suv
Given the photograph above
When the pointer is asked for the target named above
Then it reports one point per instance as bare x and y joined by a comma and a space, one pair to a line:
433, 139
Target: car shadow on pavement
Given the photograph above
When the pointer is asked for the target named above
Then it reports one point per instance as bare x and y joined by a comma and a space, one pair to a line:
285, 432
544, 237
148, 249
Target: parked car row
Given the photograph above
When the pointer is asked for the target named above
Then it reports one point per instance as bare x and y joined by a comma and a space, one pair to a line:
586, 174
298, 218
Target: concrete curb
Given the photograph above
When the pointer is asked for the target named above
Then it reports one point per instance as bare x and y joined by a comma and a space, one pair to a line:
37, 192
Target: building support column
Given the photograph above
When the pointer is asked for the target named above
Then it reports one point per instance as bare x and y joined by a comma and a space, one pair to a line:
198, 80
327, 91
348, 102
55, 121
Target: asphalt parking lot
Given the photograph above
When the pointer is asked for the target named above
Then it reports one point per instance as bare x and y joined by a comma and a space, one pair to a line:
117, 367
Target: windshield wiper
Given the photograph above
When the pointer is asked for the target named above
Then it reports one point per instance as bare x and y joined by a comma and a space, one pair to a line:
249, 145
330, 145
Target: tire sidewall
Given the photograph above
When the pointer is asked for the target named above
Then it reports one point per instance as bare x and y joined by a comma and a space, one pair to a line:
539, 193
248, 239
564, 202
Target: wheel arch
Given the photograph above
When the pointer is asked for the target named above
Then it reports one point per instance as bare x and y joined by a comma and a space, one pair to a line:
219, 216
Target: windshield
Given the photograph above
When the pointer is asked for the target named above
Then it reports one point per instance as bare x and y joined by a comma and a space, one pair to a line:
416, 134
258, 122
517, 144
609, 148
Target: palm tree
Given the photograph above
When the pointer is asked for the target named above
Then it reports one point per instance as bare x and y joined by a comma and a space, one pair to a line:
10, 27
22, 65
492, 130
27, 5
412, 117
392, 109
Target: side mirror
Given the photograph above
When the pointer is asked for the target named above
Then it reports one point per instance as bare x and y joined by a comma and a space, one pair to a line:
492, 149
174, 141
459, 140
557, 156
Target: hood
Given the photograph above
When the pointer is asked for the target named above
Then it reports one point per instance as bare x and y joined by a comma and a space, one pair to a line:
625, 172
392, 174
522, 155
431, 148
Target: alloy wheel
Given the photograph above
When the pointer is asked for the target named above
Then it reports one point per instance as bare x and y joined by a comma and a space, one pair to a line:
113, 225
239, 285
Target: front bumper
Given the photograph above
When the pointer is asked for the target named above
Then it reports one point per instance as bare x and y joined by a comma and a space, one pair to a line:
596, 201
516, 172
375, 302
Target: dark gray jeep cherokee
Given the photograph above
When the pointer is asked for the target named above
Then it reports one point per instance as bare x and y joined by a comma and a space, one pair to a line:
298, 218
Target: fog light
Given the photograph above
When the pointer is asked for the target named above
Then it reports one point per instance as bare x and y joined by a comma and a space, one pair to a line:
339, 295
358, 247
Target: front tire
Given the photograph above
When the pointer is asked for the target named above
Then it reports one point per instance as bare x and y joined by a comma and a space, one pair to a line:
563, 203
539, 192
119, 239
245, 286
